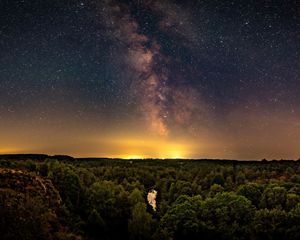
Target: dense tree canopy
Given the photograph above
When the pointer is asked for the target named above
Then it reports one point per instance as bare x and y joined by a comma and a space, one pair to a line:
67, 198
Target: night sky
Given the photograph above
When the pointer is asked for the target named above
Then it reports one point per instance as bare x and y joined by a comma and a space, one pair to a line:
160, 79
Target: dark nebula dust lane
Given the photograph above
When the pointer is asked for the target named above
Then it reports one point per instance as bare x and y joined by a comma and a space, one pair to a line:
161, 79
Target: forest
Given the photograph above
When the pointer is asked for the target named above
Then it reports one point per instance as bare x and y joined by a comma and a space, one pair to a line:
60, 197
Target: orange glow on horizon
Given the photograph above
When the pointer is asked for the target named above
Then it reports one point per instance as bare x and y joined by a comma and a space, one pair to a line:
274, 141
131, 148
10, 151
133, 157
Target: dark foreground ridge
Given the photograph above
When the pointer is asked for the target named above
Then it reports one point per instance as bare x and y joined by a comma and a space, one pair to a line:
61, 197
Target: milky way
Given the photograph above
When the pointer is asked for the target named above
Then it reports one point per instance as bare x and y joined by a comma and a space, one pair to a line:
116, 78
147, 66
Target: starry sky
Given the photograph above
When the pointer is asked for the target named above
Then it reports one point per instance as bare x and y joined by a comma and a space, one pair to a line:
150, 78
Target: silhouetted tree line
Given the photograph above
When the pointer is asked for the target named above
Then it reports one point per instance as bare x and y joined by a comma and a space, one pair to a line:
107, 199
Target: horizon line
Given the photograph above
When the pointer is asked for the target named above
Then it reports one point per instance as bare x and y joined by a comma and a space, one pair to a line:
146, 158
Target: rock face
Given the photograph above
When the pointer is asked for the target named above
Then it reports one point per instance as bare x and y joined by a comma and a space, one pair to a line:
29, 206
23, 183
151, 197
